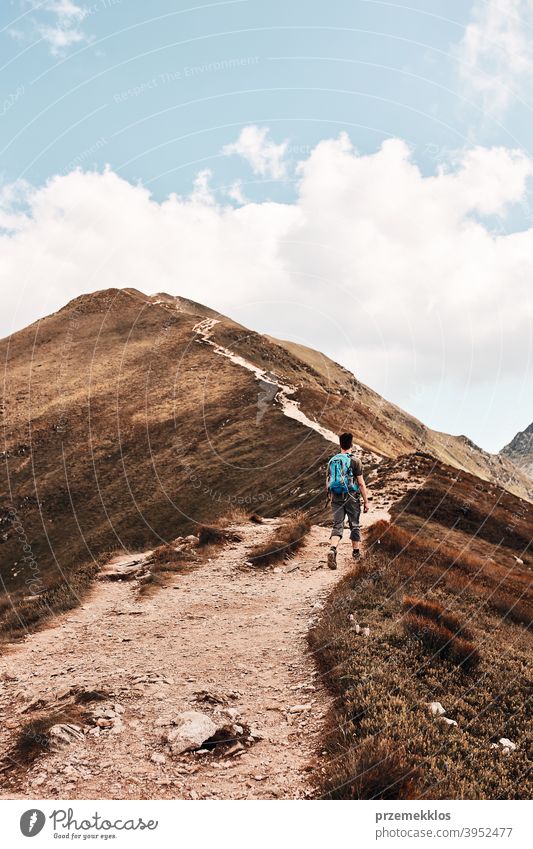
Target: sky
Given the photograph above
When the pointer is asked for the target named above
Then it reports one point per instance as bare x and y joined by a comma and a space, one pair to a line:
354, 175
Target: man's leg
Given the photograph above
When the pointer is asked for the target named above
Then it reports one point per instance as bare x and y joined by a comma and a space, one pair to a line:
353, 511
337, 507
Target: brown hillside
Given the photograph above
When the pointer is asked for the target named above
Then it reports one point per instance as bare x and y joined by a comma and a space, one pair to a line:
390, 431
123, 427
437, 612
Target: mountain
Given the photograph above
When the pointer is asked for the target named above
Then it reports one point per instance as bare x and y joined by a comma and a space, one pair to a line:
388, 430
520, 450
128, 419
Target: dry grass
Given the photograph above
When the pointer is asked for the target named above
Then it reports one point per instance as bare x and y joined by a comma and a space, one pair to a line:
208, 535
488, 512
89, 484
433, 610
166, 560
441, 642
33, 738
507, 592
375, 770
167, 553
22, 613
383, 684
283, 543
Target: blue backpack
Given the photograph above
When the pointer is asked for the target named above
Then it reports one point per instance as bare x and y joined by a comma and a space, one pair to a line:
340, 475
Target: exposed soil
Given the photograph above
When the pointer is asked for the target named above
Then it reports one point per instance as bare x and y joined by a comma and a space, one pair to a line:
234, 634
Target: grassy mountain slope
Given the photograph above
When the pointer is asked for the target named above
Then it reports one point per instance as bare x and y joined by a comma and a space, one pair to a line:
386, 429
122, 428
446, 592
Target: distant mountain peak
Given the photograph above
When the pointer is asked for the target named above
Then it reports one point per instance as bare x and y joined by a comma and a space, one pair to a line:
520, 450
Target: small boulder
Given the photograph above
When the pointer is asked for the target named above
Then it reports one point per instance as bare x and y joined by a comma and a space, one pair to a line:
255, 735
63, 734
118, 726
504, 745
230, 713
436, 709
192, 728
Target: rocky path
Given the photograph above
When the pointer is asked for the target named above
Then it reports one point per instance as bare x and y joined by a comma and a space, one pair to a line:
222, 636
282, 392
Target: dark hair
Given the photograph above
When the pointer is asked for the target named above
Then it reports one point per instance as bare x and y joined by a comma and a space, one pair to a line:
346, 440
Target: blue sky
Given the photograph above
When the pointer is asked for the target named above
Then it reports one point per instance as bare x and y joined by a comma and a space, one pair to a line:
143, 93
237, 109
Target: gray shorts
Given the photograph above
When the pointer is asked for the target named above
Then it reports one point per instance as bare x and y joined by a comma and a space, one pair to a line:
346, 505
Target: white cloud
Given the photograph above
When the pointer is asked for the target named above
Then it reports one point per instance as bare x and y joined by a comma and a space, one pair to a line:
201, 192
263, 155
391, 272
57, 22
15, 200
235, 192
496, 51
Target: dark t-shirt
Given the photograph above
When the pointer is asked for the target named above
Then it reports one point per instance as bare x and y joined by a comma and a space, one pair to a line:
357, 467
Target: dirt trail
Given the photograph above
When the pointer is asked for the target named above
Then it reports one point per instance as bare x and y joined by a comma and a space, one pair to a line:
232, 632
282, 392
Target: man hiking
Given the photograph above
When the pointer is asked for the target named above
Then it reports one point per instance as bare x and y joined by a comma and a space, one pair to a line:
345, 484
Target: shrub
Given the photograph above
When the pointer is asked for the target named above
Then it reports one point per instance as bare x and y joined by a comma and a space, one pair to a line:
388, 536
435, 611
374, 770
33, 738
284, 542
85, 697
442, 642
208, 535
464, 654
433, 636
165, 554
456, 568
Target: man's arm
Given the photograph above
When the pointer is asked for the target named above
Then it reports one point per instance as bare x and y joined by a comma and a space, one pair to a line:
363, 491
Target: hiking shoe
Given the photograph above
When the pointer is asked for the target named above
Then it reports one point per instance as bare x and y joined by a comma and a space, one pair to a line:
332, 558
356, 554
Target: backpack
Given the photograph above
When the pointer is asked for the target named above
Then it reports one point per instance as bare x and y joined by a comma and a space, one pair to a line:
340, 475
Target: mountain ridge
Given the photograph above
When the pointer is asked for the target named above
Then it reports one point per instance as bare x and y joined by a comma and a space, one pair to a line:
125, 424
520, 450
151, 448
